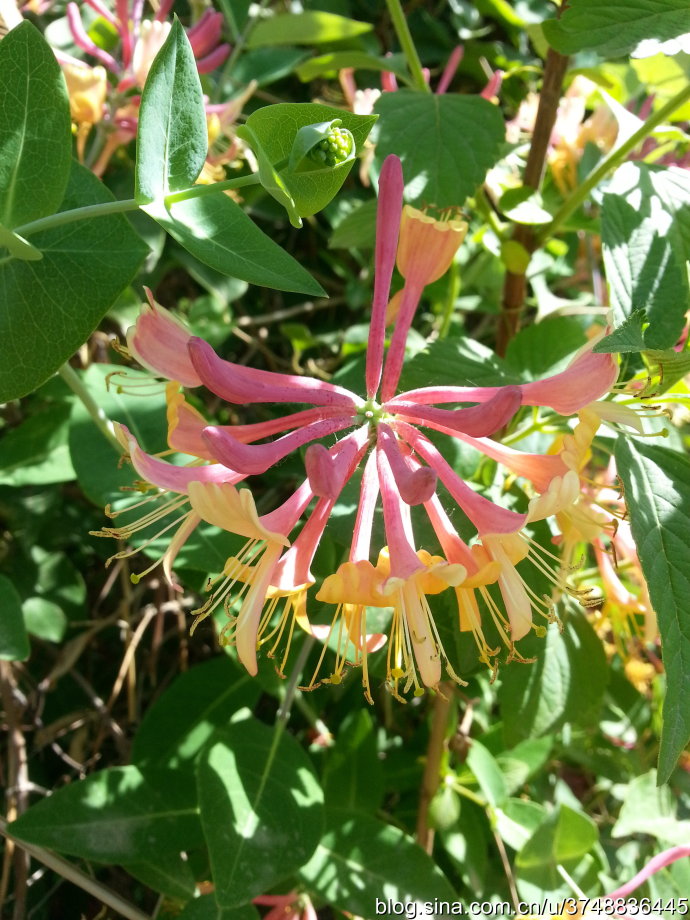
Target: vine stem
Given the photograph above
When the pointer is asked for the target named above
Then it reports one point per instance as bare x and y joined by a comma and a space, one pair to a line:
402, 30
432, 767
515, 286
285, 707
75, 875
614, 159
83, 213
100, 419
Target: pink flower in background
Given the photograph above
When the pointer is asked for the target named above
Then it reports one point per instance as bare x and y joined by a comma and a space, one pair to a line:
264, 588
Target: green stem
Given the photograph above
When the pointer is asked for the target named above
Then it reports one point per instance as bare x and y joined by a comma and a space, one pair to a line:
291, 688
84, 213
75, 875
402, 30
100, 420
198, 191
614, 159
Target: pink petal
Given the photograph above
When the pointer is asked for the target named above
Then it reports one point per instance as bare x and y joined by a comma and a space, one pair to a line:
653, 866
364, 522
454, 548
396, 351
294, 568
329, 469
284, 518
213, 60
238, 384
484, 514
476, 421
450, 69
588, 377
403, 558
171, 477
258, 430
252, 459
416, 486
158, 340
425, 396
82, 40
387, 228
204, 35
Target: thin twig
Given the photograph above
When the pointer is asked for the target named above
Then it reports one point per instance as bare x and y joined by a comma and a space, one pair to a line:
432, 767
515, 286
17, 789
75, 875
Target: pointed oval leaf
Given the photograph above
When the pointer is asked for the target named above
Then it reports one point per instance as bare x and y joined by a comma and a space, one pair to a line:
35, 128
49, 308
177, 726
216, 230
172, 138
261, 809
360, 859
657, 495
121, 814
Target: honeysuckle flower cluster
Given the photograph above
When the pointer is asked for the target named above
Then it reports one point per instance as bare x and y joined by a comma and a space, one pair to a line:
383, 433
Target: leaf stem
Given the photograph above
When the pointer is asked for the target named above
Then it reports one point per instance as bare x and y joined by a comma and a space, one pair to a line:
431, 779
614, 159
100, 419
291, 688
75, 875
83, 213
198, 191
402, 30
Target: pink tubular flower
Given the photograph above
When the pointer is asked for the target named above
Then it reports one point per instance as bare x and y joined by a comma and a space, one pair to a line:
292, 906
264, 587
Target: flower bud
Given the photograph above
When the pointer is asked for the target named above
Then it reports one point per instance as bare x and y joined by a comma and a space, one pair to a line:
321, 146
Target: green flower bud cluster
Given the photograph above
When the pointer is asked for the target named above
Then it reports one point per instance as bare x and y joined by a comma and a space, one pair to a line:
335, 148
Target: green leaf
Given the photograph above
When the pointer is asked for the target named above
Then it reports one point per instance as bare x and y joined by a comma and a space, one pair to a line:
563, 838
172, 137
612, 28
650, 809
330, 64
657, 495
456, 362
168, 873
487, 773
36, 452
117, 815
517, 820
670, 365
14, 642
269, 177
180, 722
311, 27
207, 908
353, 775
628, 337
18, 247
565, 684
44, 618
446, 143
49, 308
360, 859
357, 230
276, 128
35, 128
266, 65
523, 205
215, 230
261, 809
646, 243
546, 347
